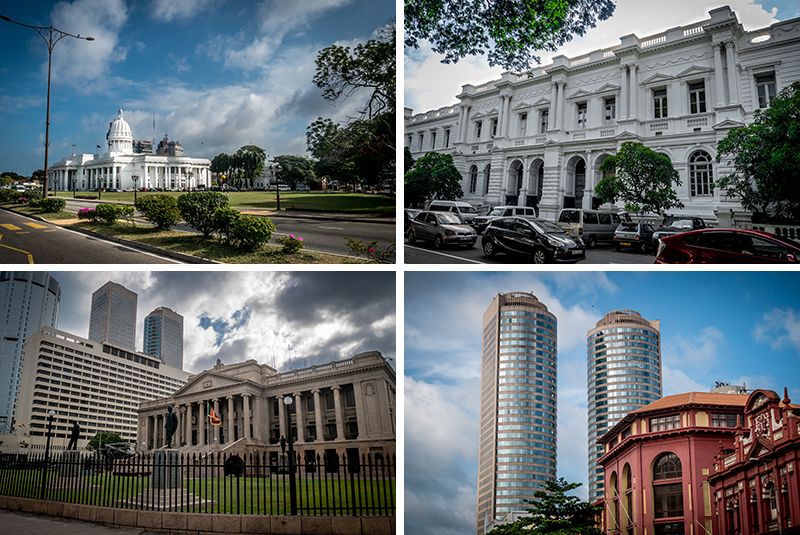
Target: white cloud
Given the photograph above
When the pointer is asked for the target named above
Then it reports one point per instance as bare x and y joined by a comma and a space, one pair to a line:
169, 10
699, 353
779, 328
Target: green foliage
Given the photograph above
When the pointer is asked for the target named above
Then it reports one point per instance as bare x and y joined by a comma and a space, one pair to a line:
291, 243
434, 177
408, 160
197, 209
110, 444
555, 513
8, 195
250, 159
224, 220
644, 180
766, 159
371, 250
253, 232
295, 170
89, 214
52, 204
161, 210
6, 180
509, 30
108, 212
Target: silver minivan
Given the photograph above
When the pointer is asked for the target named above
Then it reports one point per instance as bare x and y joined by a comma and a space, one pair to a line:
464, 209
591, 225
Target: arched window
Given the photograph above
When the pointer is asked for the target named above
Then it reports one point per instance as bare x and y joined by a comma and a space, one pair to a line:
700, 174
668, 466
473, 179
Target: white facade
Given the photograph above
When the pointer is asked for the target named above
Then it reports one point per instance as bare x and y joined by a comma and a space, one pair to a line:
522, 140
117, 168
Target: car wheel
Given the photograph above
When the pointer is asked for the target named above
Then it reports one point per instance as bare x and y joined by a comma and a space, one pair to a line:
412, 238
438, 242
488, 248
539, 256
591, 242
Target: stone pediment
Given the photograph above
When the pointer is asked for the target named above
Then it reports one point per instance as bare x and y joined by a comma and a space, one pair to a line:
607, 88
657, 79
580, 93
542, 102
695, 71
521, 106
208, 381
727, 124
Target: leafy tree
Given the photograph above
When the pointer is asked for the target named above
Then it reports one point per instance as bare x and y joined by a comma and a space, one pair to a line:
554, 512
6, 180
643, 181
250, 159
511, 30
295, 170
766, 158
197, 209
110, 444
38, 175
434, 177
161, 210
408, 160
224, 220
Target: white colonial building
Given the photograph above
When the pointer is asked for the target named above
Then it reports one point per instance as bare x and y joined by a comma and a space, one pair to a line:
541, 138
130, 165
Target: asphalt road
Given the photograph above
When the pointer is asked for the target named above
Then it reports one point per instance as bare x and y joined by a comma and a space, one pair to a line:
27, 241
424, 253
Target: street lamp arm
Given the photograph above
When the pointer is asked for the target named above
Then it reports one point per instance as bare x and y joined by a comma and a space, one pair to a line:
40, 29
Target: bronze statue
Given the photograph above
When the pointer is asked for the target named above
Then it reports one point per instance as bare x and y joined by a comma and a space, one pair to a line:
74, 436
171, 426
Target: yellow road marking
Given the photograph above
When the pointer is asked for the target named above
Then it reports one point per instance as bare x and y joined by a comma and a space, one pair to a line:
34, 225
30, 256
26, 232
9, 226
51, 230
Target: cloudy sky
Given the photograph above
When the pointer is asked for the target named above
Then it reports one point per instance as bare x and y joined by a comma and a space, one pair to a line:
217, 74
289, 320
738, 327
430, 84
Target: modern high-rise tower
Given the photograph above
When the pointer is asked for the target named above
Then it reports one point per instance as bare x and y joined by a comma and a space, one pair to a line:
517, 447
623, 354
113, 317
30, 300
163, 336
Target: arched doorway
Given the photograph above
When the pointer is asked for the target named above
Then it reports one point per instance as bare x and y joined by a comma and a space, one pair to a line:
515, 183
576, 182
535, 184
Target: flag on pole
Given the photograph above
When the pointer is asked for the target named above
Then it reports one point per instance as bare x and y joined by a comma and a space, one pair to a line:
215, 420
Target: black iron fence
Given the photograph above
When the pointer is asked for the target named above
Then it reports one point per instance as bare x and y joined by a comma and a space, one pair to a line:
208, 483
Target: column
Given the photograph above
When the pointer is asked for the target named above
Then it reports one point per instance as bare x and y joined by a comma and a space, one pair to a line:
301, 420
114, 176
562, 104
246, 413
733, 87
553, 104
281, 416
318, 418
146, 434
337, 404
718, 81
188, 424
623, 97
465, 126
216, 428
258, 419
159, 431
229, 435
634, 96
201, 423
501, 117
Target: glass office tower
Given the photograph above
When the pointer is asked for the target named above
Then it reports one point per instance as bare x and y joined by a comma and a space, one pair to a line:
163, 336
113, 317
518, 405
623, 355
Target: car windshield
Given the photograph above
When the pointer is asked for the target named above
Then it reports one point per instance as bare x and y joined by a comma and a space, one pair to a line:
450, 219
628, 227
678, 224
497, 212
569, 216
468, 209
547, 227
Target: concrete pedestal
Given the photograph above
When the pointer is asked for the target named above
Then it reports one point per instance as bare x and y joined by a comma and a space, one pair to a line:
70, 465
166, 470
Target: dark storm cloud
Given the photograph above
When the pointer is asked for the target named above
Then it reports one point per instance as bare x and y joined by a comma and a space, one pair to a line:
305, 103
229, 353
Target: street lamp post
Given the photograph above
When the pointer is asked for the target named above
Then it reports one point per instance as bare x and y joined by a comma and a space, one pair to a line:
50, 44
74, 186
275, 170
293, 503
135, 178
50, 415
191, 177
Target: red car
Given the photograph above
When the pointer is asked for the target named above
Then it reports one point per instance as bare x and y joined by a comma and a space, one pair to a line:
727, 246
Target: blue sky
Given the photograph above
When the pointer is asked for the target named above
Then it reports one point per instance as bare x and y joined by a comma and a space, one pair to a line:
430, 84
218, 74
738, 327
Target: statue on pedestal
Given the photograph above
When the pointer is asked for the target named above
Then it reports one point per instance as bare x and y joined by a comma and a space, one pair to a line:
171, 425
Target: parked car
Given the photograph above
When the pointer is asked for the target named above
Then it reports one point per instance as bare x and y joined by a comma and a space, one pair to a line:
634, 234
727, 246
591, 226
302, 187
675, 224
464, 209
539, 240
482, 221
409, 215
442, 229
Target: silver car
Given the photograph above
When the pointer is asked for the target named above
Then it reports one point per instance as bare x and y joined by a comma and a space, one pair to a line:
441, 228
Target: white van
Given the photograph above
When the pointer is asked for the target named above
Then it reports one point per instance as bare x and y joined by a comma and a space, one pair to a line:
591, 225
19, 187
464, 209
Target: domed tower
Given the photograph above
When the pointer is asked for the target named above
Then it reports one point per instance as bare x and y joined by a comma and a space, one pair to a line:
119, 136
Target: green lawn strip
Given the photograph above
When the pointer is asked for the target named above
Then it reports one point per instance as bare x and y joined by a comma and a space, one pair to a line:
317, 201
211, 249
25, 209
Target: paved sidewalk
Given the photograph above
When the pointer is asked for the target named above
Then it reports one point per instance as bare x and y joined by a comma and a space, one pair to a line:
27, 524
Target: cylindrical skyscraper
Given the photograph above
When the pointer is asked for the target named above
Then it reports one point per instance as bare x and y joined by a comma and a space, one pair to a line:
30, 301
518, 405
624, 374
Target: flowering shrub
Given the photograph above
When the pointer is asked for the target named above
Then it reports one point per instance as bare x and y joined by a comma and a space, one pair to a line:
371, 250
88, 213
22, 200
291, 243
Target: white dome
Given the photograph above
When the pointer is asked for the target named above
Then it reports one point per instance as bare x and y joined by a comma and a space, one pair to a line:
119, 136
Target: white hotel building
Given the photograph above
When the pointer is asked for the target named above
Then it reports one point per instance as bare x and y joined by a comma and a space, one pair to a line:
541, 138
122, 167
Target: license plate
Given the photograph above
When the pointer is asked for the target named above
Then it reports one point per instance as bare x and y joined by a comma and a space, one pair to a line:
569, 230
626, 244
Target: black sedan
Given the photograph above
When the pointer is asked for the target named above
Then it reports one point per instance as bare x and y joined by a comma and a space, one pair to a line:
539, 240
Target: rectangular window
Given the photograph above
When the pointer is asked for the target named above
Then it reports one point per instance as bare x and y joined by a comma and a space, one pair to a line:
697, 97
723, 420
660, 103
494, 127
310, 403
582, 115
663, 423
447, 138
545, 117
611, 111
765, 86
523, 124
421, 141
433, 141
350, 398
478, 128
668, 500
329, 403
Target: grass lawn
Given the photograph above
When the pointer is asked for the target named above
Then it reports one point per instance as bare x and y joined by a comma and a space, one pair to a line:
25, 209
326, 201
